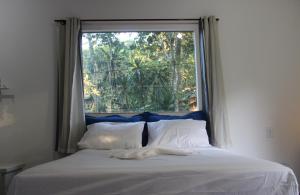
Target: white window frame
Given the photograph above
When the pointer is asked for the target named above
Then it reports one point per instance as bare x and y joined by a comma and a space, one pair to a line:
135, 26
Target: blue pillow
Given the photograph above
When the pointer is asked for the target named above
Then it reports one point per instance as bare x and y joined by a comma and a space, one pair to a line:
117, 118
151, 117
112, 118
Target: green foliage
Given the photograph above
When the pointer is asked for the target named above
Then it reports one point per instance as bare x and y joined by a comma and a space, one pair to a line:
151, 71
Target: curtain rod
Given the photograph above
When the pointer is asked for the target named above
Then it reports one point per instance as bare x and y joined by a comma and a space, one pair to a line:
114, 20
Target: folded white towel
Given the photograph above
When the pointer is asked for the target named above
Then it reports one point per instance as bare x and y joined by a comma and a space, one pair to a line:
147, 152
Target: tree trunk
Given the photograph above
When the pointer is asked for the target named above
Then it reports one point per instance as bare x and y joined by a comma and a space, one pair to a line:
177, 72
92, 66
175, 48
110, 74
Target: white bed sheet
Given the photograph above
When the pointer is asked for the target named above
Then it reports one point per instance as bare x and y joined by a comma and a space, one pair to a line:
211, 172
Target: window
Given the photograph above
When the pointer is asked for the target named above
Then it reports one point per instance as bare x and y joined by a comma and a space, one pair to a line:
137, 67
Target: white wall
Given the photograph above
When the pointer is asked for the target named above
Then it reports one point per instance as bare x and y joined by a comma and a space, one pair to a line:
260, 49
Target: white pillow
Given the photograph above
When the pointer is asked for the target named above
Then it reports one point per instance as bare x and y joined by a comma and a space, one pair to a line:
108, 135
181, 133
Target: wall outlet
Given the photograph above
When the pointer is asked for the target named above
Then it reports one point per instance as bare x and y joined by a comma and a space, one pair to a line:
269, 133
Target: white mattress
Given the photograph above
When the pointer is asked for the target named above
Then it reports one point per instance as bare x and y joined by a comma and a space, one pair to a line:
212, 171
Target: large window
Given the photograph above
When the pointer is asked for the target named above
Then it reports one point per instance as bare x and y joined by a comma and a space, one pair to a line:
140, 67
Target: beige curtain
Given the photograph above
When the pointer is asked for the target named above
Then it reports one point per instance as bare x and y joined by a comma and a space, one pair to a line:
70, 114
214, 100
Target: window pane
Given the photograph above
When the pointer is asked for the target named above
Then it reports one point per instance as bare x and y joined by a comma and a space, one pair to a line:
139, 71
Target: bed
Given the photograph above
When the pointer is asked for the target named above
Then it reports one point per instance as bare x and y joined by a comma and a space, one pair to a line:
211, 171
177, 159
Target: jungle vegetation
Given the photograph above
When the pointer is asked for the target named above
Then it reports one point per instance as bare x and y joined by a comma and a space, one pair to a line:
139, 71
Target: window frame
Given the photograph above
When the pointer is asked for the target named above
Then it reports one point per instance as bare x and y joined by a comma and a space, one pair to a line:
150, 26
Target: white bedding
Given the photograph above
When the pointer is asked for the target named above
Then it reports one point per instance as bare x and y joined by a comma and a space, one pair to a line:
211, 172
